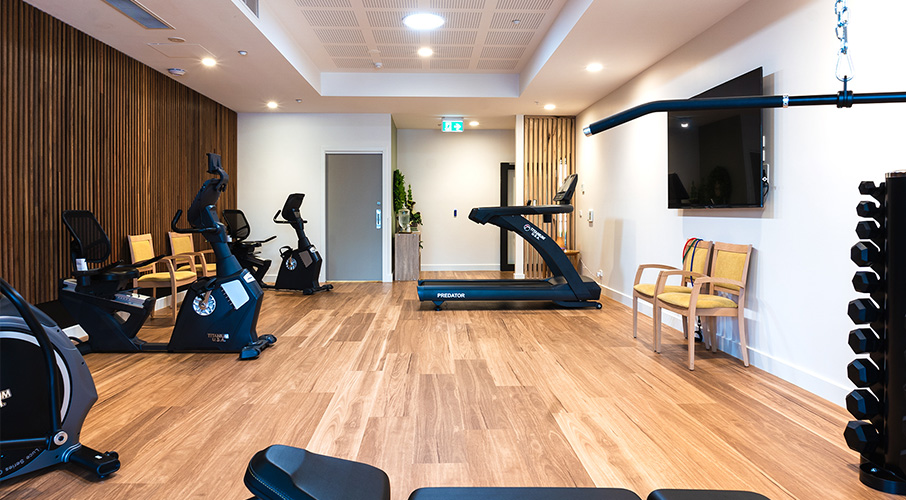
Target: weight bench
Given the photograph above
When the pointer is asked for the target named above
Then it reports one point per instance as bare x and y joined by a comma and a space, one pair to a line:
285, 473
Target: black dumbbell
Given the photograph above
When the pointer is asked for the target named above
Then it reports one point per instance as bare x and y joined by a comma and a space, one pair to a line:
862, 404
866, 282
868, 209
863, 372
864, 340
861, 436
868, 188
868, 230
863, 311
865, 253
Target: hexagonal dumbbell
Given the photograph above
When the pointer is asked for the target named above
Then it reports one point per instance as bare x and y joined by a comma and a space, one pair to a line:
863, 372
868, 188
861, 436
862, 404
864, 340
868, 209
868, 230
863, 311
866, 282
865, 253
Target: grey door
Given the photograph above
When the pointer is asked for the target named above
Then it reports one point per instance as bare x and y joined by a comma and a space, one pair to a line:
353, 224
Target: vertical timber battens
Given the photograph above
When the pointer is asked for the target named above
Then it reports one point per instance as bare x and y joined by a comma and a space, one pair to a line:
84, 126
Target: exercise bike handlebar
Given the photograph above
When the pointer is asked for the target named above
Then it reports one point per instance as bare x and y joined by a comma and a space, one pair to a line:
278, 221
176, 229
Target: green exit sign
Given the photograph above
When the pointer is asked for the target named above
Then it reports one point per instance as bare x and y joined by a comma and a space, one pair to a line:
451, 125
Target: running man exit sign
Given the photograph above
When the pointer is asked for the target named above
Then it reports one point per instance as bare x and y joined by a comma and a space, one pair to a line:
451, 125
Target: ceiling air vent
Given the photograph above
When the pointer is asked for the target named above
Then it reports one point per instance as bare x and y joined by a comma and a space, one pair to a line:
252, 5
140, 14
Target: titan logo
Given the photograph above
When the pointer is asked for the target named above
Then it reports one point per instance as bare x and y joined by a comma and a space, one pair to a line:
534, 232
451, 295
219, 337
5, 394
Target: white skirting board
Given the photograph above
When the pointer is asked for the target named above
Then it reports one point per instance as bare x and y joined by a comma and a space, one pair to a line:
805, 379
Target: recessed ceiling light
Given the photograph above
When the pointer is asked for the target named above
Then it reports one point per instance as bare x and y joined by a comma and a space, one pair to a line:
473, 123
177, 71
272, 104
298, 100
425, 52
176, 39
684, 124
209, 61
423, 21
549, 107
243, 53
594, 67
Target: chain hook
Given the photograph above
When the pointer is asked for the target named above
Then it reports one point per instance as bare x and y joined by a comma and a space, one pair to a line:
844, 70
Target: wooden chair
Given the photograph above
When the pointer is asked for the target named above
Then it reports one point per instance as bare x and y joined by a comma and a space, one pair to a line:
141, 247
696, 260
183, 244
729, 268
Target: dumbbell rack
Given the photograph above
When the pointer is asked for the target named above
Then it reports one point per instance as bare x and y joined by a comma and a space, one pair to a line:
880, 400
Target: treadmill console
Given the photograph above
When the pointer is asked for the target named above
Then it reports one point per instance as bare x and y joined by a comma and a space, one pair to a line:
565, 193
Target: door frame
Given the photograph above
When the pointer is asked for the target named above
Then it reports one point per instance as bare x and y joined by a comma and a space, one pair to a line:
505, 168
386, 200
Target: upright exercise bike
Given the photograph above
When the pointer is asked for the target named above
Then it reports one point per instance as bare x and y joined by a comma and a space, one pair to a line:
301, 266
218, 314
46, 392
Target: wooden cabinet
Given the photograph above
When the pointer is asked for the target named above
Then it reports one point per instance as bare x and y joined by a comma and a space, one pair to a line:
407, 260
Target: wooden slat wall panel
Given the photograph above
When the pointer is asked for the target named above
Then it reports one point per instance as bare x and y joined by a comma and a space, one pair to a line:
87, 127
550, 156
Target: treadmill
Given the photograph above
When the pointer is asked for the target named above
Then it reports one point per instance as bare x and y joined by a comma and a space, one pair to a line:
566, 288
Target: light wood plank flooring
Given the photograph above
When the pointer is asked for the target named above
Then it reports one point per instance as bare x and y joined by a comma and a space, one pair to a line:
527, 395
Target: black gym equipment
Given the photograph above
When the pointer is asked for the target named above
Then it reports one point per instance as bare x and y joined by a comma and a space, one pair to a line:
285, 473
218, 314
301, 266
244, 250
566, 287
879, 403
46, 392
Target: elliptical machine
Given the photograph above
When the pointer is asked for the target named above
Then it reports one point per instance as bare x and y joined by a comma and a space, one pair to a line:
46, 392
301, 267
218, 314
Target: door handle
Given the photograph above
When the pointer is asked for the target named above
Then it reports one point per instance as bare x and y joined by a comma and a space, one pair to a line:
377, 218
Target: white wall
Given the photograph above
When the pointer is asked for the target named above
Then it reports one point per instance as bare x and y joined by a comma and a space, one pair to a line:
799, 281
281, 154
455, 172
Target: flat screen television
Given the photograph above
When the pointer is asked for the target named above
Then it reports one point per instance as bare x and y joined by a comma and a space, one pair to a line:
714, 157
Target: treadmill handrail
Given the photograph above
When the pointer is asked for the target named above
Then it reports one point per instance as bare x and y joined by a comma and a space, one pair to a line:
482, 215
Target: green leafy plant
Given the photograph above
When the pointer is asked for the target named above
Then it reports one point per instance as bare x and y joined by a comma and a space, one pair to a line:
415, 218
399, 191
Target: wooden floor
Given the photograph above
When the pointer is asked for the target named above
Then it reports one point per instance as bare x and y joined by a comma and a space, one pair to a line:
527, 395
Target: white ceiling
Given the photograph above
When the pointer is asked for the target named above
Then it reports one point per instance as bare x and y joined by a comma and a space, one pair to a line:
322, 52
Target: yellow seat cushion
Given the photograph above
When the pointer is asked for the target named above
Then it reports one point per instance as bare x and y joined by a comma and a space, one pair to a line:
704, 301
180, 275
212, 268
648, 289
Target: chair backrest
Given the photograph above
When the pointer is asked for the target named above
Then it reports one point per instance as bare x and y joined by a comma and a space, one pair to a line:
730, 262
180, 243
237, 225
141, 247
89, 241
697, 256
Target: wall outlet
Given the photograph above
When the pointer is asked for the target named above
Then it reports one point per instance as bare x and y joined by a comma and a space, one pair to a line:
600, 273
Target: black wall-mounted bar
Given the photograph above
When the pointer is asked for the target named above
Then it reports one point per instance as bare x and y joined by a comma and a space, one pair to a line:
841, 100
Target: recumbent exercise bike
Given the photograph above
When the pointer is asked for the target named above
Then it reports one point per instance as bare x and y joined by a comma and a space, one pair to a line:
218, 314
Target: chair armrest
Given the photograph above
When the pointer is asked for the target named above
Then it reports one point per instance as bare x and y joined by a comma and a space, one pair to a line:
662, 278
172, 261
638, 273
720, 281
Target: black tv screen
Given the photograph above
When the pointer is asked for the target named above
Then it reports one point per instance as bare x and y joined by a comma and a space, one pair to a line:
714, 157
